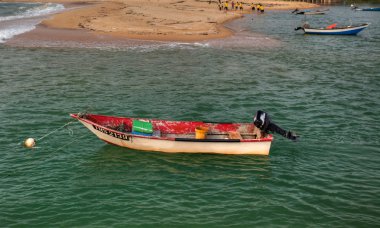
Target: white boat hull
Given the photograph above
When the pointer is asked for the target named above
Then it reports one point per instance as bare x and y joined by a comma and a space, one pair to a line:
137, 142
314, 13
341, 31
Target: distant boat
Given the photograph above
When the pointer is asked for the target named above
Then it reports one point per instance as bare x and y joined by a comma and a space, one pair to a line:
334, 30
368, 9
185, 136
309, 12
315, 13
354, 7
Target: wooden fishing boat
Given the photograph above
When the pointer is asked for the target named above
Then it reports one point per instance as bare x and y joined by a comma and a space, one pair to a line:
333, 30
185, 136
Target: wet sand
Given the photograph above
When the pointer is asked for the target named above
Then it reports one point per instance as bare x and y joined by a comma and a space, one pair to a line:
44, 36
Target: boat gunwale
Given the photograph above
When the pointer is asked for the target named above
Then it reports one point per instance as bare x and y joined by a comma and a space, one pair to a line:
266, 139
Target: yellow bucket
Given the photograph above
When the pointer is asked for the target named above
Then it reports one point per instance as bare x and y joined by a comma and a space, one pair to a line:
200, 132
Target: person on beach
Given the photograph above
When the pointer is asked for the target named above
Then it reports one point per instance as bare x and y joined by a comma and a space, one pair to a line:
237, 6
261, 8
241, 6
226, 6
253, 7
232, 5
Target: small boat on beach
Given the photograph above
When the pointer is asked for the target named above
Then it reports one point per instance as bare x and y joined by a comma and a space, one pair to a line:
333, 29
185, 136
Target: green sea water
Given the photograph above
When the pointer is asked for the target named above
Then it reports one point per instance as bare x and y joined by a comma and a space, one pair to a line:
325, 88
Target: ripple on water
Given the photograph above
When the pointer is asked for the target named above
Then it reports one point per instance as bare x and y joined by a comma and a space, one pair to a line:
325, 89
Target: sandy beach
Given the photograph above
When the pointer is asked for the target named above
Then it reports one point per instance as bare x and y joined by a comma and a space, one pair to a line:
158, 20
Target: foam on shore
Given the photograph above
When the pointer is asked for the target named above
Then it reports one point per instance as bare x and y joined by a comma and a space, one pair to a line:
18, 18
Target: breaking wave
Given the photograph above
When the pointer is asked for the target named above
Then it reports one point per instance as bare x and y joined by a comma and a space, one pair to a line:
36, 11
21, 18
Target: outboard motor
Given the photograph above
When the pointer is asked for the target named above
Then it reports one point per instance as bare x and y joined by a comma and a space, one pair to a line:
263, 122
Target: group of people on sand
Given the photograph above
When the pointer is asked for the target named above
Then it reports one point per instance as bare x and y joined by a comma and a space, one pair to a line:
259, 7
239, 6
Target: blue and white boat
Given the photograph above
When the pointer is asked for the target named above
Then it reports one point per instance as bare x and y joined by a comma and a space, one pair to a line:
333, 30
354, 7
368, 9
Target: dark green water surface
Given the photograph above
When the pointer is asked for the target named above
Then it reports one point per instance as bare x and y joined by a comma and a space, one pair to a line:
325, 88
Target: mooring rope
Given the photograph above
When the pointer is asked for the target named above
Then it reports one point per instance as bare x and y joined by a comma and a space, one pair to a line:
72, 141
31, 142
73, 121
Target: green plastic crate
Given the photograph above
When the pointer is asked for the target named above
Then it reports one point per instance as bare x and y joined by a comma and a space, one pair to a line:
142, 126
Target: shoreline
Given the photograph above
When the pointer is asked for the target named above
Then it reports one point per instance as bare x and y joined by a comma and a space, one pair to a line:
145, 20
44, 36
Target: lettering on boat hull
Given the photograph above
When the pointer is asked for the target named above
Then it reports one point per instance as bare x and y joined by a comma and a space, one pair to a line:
111, 133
